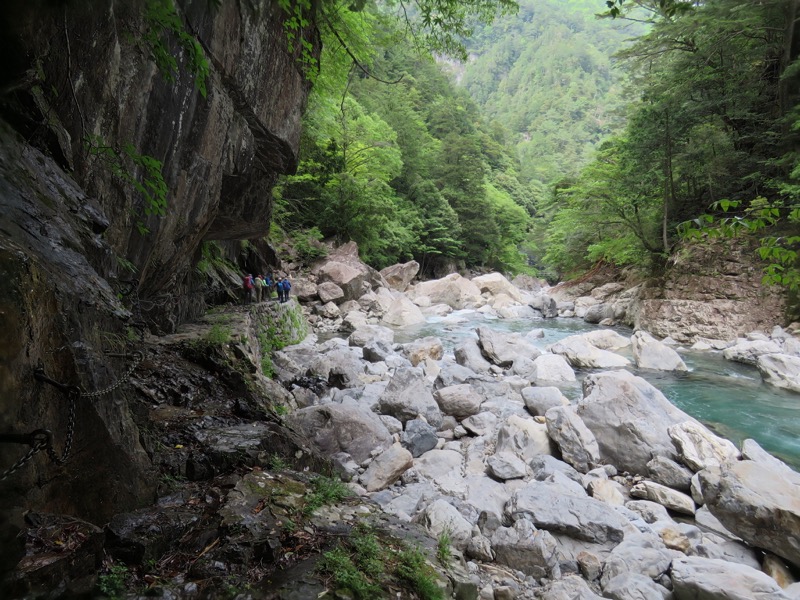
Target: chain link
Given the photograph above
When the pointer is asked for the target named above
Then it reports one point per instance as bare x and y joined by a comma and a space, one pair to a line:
21, 462
137, 358
73, 395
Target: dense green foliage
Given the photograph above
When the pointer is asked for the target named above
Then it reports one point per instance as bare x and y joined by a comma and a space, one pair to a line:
409, 169
711, 131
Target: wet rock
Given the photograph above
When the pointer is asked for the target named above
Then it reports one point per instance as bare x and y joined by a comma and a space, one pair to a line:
503, 348
649, 353
780, 370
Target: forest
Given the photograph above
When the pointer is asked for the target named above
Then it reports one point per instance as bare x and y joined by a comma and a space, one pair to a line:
560, 135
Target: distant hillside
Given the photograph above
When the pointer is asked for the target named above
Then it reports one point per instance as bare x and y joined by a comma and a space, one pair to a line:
546, 74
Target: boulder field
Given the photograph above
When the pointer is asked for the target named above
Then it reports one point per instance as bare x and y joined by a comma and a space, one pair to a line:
618, 494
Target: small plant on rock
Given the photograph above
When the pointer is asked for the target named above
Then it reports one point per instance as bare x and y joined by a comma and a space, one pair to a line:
112, 583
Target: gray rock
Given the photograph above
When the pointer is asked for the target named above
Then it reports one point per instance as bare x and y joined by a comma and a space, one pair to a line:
538, 400
442, 517
752, 451
669, 473
399, 276
649, 353
545, 305
527, 549
583, 518
524, 438
376, 351
632, 586
576, 442
418, 437
369, 333
748, 351
629, 418
329, 292
606, 339
479, 547
408, 395
699, 448
581, 354
758, 503
780, 370
638, 553
481, 424
422, 349
503, 348
468, 354
505, 465
649, 511
339, 428
672, 499
545, 466
713, 579
599, 312
550, 368
570, 587
386, 468
460, 401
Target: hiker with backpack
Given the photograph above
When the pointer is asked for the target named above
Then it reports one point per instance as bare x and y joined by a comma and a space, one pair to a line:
279, 286
247, 289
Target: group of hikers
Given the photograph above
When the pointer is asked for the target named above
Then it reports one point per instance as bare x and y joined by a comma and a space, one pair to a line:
259, 288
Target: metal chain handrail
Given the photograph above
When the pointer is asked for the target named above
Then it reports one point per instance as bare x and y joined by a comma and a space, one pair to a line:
42, 439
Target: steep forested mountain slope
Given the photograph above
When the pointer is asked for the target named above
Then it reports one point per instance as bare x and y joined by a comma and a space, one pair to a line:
548, 76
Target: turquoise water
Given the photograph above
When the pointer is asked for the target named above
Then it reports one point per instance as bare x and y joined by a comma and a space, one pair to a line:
728, 397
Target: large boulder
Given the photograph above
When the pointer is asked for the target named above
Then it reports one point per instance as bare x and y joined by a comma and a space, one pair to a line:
576, 442
386, 468
330, 292
548, 507
758, 502
581, 354
649, 353
497, 284
667, 497
468, 354
370, 333
545, 305
408, 396
460, 401
344, 268
422, 349
714, 579
342, 428
748, 351
441, 517
630, 419
503, 349
527, 549
524, 438
606, 339
402, 312
549, 369
780, 370
699, 448
538, 400
453, 290
399, 276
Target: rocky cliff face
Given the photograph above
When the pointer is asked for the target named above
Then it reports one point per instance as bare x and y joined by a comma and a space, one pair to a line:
80, 73
711, 290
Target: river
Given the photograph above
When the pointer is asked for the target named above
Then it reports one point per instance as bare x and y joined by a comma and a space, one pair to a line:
728, 397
